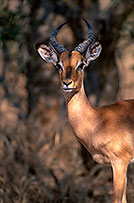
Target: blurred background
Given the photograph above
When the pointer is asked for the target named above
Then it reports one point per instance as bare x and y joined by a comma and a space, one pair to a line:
40, 159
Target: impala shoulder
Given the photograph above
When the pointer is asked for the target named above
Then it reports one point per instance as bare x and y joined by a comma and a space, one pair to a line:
118, 106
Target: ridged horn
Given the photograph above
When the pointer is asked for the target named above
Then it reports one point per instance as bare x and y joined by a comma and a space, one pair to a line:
84, 45
53, 41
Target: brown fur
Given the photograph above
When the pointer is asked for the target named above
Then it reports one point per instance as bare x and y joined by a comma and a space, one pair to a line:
106, 132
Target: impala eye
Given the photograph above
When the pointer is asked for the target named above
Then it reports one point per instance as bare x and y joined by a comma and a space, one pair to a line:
59, 67
80, 67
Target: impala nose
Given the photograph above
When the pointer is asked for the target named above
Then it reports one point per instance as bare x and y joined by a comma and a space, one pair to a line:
67, 83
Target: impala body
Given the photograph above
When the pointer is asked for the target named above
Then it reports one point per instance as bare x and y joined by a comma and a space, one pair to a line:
106, 132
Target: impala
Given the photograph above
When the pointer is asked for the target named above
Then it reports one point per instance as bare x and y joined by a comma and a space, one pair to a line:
107, 132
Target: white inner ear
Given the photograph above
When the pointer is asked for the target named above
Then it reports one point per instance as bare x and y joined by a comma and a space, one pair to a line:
48, 54
44, 53
97, 50
93, 52
79, 62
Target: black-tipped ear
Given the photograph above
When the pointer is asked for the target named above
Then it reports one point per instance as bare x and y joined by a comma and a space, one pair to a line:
93, 52
37, 45
47, 53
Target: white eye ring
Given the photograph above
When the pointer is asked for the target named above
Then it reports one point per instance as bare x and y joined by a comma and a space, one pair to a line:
59, 66
80, 67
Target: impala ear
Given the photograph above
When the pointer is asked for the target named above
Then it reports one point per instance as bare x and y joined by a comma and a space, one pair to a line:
93, 52
47, 53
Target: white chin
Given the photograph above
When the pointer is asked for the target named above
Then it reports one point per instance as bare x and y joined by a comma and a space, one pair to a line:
68, 89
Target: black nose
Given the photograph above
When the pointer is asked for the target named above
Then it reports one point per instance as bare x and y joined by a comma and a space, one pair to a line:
67, 83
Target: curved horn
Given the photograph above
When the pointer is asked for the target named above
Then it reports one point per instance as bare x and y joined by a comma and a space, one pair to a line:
53, 41
84, 45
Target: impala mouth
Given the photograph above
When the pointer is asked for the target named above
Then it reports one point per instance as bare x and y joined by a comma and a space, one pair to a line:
67, 89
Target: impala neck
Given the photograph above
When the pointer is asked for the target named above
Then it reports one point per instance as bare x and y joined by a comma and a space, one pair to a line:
82, 116
79, 103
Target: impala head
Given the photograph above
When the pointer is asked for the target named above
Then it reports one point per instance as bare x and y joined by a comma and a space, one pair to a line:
70, 64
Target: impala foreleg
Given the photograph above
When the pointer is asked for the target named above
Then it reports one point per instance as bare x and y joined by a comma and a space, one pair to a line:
119, 181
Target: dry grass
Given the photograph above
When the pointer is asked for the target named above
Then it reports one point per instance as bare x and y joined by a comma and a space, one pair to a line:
37, 166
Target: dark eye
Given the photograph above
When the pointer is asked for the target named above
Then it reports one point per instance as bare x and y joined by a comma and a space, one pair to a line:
59, 67
80, 67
